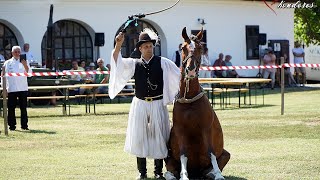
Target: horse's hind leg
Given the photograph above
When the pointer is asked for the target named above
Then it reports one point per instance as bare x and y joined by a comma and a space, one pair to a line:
223, 159
215, 173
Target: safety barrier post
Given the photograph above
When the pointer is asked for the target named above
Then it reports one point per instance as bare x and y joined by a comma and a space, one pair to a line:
5, 113
282, 85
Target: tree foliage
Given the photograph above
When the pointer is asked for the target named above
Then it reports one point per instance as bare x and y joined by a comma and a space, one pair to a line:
307, 24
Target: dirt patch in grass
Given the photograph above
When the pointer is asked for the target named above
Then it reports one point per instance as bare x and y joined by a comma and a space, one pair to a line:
313, 122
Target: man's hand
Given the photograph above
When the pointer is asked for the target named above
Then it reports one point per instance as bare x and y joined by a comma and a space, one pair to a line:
25, 65
119, 40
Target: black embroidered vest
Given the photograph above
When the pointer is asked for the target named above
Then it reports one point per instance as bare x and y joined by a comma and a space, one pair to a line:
149, 78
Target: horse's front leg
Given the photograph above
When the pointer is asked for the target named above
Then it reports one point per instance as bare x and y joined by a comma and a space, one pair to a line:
183, 173
215, 173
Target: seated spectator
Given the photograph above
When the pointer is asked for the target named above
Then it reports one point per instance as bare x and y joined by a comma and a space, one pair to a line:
101, 78
79, 78
90, 77
219, 62
232, 73
287, 72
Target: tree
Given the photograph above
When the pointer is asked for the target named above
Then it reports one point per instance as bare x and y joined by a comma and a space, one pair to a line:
307, 24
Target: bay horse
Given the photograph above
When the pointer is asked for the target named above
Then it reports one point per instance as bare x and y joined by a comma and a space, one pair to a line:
196, 139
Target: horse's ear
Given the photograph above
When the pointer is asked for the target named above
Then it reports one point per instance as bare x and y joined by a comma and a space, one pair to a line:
200, 34
185, 35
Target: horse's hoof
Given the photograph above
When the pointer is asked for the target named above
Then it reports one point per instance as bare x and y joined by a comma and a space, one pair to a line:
169, 176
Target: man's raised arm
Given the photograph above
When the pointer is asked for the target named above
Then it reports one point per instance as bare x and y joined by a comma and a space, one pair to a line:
119, 40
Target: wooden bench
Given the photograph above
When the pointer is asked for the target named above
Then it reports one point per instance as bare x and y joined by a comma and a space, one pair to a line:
93, 97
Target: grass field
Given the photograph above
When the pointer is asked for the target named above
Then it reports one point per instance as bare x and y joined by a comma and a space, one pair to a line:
263, 144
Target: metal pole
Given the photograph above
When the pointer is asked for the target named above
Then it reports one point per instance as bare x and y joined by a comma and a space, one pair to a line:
49, 57
282, 85
5, 113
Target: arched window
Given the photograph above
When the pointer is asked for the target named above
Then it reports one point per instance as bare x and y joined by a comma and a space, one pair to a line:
132, 37
7, 40
70, 41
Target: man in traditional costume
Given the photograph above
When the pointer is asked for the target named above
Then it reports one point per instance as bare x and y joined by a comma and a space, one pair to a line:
156, 84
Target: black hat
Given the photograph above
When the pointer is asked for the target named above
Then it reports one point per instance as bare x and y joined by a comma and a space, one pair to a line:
143, 38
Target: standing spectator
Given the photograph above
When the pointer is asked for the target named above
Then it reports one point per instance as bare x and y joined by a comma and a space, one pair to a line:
232, 73
269, 60
17, 88
176, 58
101, 78
219, 62
205, 62
298, 54
26, 51
156, 84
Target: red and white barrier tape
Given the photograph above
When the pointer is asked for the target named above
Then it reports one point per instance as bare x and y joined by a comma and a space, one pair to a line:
70, 73
64, 73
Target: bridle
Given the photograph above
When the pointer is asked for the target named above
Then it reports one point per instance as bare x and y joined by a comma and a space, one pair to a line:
187, 78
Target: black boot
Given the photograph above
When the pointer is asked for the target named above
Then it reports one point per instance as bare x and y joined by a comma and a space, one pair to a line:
142, 168
158, 165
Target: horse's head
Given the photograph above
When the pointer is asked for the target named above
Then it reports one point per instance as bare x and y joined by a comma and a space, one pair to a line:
191, 54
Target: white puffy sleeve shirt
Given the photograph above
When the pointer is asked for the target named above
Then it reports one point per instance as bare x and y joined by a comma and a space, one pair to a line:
122, 71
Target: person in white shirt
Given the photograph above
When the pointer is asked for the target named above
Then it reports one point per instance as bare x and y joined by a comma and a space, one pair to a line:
17, 87
205, 62
26, 51
298, 54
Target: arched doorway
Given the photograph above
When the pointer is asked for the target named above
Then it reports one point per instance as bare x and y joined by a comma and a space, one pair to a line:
132, 37
71, 41
7, 40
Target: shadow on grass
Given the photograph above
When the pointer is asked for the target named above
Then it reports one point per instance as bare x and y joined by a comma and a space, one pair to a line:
76, 115
226, 177
39, 132
233, 107
234, 178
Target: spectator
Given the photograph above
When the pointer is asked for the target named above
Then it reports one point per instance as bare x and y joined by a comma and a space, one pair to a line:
205, 62
26, 51
83, 64
101, 78
1, 55
269, 59
79, 78
219, 62
75, 67
176, 58
17, 88
232, 73
157, 82
90, 77
287, 72
298, 54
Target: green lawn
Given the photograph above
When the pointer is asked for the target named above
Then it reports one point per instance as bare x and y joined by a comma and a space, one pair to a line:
263, 144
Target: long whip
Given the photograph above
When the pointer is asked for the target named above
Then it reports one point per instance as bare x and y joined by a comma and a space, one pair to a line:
142, 15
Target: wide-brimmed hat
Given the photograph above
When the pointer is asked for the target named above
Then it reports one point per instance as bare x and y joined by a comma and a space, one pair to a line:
144, 38
92, 64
